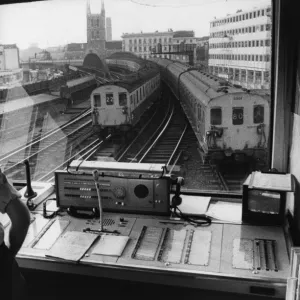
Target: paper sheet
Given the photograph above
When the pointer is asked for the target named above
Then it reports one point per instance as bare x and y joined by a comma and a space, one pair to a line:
279, 182
225, 211
72, 245
194, 205
112, 245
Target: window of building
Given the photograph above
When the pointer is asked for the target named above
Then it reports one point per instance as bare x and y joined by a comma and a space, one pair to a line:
254, 14
258, 13
262, 12
122, 99
258, 77
216, 116
267, 77
246, 16
253, 29
268, 27
258, 114
253, 43
250, 15
109, 99
237, 115
268, 43
97, 100
250, 29
257, 43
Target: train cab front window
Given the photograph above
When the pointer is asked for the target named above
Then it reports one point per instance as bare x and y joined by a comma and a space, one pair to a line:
122, 99
216, 116
237, 115
109, 99
258, 114
97, 100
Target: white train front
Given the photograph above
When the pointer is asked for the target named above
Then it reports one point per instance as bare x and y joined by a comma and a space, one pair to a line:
119, 106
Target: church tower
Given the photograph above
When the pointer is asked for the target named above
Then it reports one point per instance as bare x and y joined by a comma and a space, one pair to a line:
95, 31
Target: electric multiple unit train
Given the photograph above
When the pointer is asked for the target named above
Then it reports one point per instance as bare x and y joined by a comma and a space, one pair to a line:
117, 106
229, 122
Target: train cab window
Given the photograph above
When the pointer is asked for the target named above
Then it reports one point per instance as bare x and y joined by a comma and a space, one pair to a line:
122, 99
258, 114
237, 115
109, 99
216, 116
97, 100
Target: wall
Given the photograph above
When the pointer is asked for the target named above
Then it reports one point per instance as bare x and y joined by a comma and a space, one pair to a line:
11, 58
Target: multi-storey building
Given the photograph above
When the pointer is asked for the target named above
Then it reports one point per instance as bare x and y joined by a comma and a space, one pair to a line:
143, 44
178, 45
240, 47
10, 71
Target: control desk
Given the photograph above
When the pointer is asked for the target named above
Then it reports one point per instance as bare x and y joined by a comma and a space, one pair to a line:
138, 245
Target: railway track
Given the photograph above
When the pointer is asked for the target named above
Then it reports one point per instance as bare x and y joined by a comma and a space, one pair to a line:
233, 176
53, 149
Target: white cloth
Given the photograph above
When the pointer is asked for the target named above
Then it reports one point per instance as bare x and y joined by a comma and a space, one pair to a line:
7, 193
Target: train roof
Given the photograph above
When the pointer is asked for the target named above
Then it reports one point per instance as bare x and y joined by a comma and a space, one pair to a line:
77, 81
124, 55
213, 86
133, 81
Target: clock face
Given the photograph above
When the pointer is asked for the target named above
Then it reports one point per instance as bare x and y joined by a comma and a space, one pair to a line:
119, 192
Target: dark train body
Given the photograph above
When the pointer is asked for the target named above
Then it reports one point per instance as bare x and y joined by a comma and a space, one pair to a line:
229, 122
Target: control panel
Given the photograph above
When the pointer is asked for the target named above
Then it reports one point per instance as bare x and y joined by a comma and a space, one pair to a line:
120, 191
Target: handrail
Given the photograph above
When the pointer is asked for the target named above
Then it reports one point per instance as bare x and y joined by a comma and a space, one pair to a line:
35, 141
40, 150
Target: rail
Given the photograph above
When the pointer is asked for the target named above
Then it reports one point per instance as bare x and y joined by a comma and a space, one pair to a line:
160, 134
178, 143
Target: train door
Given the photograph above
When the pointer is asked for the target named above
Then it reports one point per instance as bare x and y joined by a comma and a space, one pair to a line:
239, 136
123, 107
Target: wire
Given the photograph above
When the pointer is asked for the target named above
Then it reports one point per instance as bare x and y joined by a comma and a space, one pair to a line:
176, 6
52, 215
200, 221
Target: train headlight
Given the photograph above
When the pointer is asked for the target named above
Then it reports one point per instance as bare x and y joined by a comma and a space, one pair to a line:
125, 110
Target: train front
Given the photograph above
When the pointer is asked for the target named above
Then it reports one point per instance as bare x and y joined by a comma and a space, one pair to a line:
110, 109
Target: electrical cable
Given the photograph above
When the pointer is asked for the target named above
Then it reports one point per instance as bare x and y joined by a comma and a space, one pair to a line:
53, 214
199, 221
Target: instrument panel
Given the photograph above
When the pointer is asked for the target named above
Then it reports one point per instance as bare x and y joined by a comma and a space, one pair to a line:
120, 194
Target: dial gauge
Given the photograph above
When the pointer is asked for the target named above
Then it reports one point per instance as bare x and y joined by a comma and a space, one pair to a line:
119, 192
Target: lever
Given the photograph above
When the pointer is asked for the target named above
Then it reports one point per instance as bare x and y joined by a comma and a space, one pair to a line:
96, 176
29, 193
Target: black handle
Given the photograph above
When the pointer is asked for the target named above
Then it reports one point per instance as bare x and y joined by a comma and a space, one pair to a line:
29, 191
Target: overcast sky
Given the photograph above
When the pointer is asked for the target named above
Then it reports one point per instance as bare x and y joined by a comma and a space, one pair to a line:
58, 22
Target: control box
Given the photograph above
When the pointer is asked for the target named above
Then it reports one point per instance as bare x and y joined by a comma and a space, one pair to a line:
132, 188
